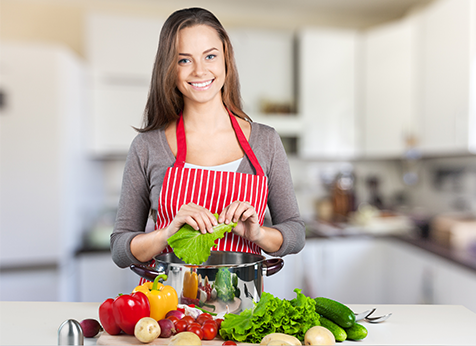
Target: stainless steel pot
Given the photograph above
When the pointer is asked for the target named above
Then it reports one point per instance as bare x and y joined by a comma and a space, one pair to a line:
227, 281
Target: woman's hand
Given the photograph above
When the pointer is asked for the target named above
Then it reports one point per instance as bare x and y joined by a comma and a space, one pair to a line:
200, 218
145, 246
244, 214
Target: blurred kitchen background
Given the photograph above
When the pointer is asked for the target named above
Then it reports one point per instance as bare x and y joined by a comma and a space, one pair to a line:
375, 101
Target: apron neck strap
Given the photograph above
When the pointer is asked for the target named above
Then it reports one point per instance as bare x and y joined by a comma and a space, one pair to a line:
182, 144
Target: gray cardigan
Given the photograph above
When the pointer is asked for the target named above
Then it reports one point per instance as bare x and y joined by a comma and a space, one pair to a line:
150, 156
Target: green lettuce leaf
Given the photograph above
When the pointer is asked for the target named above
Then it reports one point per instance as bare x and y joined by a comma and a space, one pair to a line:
271, 315
192, 246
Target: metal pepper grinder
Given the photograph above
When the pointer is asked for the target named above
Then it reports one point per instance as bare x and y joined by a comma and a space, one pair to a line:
70, 333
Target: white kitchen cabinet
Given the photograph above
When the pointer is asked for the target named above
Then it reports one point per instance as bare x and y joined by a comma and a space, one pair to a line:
409, 275
390, 88
369, 270
265, 62
99, 278
121, 45
448, 35
117, 109
266, 69
120, 52
455, 285
328, 60
345, 269
35, 284
416, 276
290, 277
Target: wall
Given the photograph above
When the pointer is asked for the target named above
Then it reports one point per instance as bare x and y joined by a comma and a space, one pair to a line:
63, 21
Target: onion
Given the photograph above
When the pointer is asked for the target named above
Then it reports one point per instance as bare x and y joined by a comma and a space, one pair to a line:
177, 313
167, 328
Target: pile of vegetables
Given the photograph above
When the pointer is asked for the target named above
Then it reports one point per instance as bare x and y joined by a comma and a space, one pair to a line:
272, 321
272, 315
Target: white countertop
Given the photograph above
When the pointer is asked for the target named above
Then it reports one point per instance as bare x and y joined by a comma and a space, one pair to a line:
36, 323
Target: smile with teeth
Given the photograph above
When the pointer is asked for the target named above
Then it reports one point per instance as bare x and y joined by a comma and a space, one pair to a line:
202, 84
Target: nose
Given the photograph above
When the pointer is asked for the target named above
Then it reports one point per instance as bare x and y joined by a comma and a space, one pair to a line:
199, 68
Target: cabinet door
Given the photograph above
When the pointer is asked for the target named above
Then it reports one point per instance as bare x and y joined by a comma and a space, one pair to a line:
35, 284
265, 62
121, 45
327, 92
348, 270
389, 92
120, 51
409, 275
290, 277
116, 110
446, 59
353, 273
99, 278
454, 285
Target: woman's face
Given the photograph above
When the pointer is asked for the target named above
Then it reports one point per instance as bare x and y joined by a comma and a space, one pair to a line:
200, 65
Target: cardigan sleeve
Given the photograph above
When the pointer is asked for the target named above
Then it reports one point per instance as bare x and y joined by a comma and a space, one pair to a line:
282, 202
134, 205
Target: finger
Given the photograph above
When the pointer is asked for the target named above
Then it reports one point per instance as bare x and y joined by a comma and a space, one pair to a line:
201, 216
247, 214
231, 212
204, 220
241, 209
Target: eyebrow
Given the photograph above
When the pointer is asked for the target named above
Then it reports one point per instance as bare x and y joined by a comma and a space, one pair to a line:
205, 52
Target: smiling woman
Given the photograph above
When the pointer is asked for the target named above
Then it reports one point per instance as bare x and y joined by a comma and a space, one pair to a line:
198, 154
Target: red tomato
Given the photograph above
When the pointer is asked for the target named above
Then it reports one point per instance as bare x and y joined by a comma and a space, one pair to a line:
196, 330
194, 324
229, 343
209, 331
218, 321
204, 317
181, 326
211, 322
188, 319
174, 319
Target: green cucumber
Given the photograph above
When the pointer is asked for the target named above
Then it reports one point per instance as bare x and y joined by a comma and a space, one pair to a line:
356, 332
339, 333
335, 311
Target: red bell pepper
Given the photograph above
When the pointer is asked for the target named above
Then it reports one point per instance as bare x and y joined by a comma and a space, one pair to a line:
107, 317
128, 309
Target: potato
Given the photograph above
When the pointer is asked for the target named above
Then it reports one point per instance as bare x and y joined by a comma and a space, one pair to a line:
185, 338
146, 330
319, 336
280, 339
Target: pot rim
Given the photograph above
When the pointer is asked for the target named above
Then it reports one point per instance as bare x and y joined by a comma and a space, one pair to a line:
260, 259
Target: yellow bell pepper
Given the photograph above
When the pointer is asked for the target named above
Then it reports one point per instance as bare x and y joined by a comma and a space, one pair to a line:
190, 285
162, 298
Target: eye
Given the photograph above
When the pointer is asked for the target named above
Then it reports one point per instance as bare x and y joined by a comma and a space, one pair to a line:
184, 61
210, 56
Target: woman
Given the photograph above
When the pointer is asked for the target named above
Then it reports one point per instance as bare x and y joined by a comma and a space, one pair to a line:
199, 153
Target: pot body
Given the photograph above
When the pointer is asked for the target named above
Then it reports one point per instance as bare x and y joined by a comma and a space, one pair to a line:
226, 282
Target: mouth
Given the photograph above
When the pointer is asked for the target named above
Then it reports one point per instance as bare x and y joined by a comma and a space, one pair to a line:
201, 85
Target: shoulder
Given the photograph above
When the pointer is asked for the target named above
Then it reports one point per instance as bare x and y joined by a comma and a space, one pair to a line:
263, 133
267, 146
148, 139
150, 144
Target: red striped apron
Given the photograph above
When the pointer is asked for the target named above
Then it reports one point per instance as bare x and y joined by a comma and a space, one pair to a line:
213, 190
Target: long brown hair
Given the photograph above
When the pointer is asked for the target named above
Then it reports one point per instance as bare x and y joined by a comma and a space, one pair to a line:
165, 101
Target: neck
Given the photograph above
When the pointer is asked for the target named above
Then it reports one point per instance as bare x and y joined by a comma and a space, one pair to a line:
208, 117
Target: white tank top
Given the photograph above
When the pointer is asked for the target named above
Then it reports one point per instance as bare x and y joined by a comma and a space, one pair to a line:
226, 167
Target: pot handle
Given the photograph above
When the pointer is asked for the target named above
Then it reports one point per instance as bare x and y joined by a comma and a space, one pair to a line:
272, 266
147, 273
